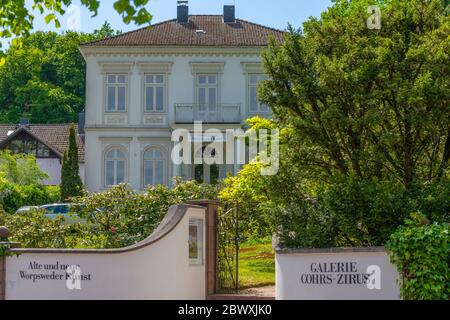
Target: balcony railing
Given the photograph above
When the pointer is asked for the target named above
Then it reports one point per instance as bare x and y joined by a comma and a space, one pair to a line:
208, 113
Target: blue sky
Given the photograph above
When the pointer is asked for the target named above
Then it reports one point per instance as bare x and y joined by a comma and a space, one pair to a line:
273, 13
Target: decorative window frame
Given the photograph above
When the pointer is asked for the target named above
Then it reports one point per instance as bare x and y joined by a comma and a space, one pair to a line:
166, 168
120, 143
116, 68
208, 68
147, 143
155, 68
252, 68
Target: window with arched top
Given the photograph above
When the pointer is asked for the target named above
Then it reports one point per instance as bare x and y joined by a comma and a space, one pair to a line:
154, 167
115, 162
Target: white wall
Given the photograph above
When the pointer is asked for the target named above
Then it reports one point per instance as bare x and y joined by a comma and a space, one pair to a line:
297, 277
157, 271
52, 166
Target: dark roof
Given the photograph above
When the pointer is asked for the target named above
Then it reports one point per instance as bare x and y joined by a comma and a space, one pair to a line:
218, 33
54, 136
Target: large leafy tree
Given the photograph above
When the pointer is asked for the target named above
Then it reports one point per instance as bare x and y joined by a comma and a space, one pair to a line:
364, 118
44, 77
16, 18
365, 102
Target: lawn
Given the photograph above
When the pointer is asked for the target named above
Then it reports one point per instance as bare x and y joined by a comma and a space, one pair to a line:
256, 265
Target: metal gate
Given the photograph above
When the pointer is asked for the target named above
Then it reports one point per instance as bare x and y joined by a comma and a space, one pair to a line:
227, 250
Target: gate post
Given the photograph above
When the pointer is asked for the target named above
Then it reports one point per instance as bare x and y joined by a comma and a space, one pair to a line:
212, 207
4, 234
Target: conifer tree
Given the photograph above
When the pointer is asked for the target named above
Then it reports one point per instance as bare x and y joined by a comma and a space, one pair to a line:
71, 184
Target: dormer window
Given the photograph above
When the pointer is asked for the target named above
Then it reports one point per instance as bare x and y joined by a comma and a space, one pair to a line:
200, 33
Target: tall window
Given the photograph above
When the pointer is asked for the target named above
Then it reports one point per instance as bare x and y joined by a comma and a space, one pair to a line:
116, 88
154, 93
154, 167
115, 161
207, 92
254, 104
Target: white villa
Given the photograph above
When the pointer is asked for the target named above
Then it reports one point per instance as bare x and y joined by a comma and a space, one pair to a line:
144, 84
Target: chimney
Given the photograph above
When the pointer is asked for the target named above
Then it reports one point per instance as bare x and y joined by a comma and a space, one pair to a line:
81, 123
229, 15
24, 122
183, 11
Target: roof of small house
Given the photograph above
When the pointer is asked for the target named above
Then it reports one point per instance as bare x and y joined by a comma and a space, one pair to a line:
54, 136
216, 33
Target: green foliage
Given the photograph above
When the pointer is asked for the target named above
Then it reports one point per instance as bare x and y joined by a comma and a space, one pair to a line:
71, 184
45, 77
124, 217
368, 212
366, 103
17, 20
115, 218
33, 230
364, 136
281, 204
21, 169
420, 250
13, 196
306, 211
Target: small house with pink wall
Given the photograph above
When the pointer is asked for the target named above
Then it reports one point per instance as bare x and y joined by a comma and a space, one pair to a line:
47, 142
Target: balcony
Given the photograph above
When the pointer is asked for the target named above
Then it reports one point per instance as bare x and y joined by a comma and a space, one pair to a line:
186, 113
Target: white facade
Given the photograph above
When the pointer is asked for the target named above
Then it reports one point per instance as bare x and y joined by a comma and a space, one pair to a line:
52, 166
139, 113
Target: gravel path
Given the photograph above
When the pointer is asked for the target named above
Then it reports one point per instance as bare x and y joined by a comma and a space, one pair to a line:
259, 292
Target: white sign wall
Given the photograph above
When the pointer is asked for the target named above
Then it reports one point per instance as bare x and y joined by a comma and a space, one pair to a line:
336, 274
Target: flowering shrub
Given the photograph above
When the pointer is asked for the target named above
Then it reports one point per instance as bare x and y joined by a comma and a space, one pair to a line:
115, 218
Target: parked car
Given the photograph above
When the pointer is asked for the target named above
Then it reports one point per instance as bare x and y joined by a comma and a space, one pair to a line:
60, 209
26, 209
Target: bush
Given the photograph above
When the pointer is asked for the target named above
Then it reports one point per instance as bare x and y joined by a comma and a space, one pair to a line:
115, 218
21, 168
420, 250
368, 212
33, 230
123, 217
307, 224
13, 196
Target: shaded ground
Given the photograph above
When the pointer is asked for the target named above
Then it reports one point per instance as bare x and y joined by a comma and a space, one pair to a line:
259, 292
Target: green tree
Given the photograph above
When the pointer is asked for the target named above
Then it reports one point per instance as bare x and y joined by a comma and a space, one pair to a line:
45, 77
367, 103
16, 18
364, 120
21, 169
71, 184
